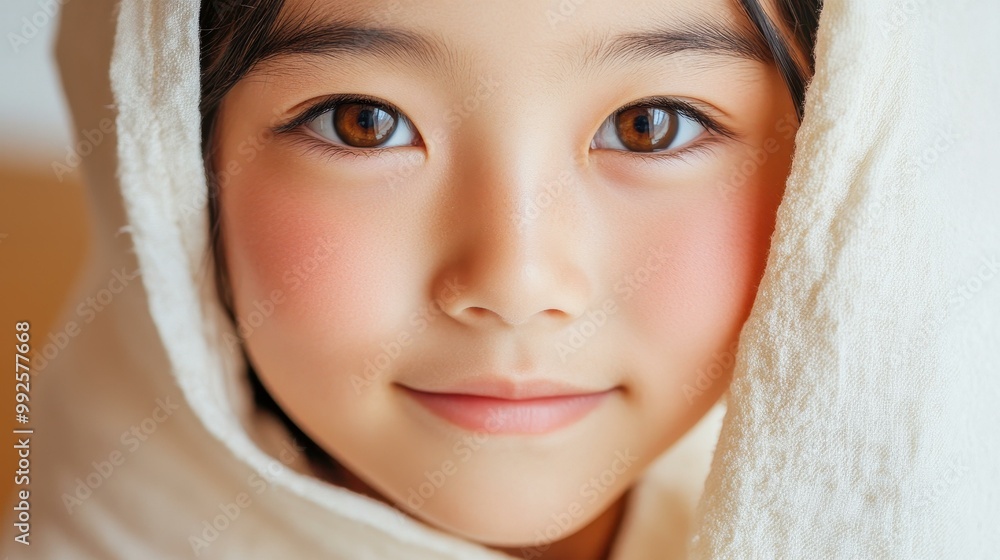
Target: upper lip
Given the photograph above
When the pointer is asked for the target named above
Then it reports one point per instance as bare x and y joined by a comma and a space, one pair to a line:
509, 389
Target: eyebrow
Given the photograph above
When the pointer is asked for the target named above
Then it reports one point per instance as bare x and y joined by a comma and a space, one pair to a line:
311, 34
701, 36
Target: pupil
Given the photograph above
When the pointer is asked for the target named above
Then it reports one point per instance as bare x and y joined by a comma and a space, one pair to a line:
641, 124
366, 119
646, 129
363, 125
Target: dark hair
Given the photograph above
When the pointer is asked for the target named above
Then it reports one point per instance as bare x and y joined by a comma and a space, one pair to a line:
800, 19
235, 35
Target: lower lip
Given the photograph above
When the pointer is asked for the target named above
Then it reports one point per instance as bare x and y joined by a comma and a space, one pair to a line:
504, 416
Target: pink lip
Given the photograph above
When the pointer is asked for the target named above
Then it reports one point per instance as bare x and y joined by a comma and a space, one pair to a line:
505, 408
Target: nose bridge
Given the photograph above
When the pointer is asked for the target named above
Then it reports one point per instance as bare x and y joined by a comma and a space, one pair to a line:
518, 247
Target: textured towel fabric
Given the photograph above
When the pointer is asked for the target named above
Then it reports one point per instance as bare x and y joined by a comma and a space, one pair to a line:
863, 418
861, 423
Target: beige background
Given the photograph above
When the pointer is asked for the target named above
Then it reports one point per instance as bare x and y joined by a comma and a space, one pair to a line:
42, 220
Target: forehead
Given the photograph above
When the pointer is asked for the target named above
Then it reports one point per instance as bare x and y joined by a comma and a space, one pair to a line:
550, 15
550, 38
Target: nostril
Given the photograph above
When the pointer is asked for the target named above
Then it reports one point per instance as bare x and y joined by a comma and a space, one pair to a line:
479, 314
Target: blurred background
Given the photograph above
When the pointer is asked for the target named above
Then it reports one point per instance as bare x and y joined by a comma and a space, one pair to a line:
43, 217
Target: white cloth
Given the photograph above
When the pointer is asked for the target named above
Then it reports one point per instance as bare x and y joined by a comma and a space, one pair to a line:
862, 421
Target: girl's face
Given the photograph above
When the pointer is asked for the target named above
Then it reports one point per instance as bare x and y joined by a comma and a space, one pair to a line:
494, 256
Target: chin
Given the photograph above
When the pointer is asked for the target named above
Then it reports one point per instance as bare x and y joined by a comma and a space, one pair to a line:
512, 507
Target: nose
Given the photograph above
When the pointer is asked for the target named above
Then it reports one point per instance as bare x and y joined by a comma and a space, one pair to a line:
518, 244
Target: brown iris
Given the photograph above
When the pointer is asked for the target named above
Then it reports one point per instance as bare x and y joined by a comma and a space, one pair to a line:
364, 125
646, 129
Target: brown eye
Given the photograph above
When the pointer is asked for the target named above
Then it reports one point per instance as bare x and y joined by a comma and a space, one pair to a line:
651, 127
646, 129
364, 125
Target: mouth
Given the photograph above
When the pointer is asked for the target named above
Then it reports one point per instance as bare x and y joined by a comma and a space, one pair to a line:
508, 408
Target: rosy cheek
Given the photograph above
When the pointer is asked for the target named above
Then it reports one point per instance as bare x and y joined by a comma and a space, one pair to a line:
690, 302
694, 306
322, 273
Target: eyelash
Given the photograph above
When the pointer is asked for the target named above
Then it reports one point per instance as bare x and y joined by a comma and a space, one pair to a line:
296, 126
703, 146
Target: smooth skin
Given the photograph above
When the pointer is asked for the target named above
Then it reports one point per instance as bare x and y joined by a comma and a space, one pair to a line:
493, 243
